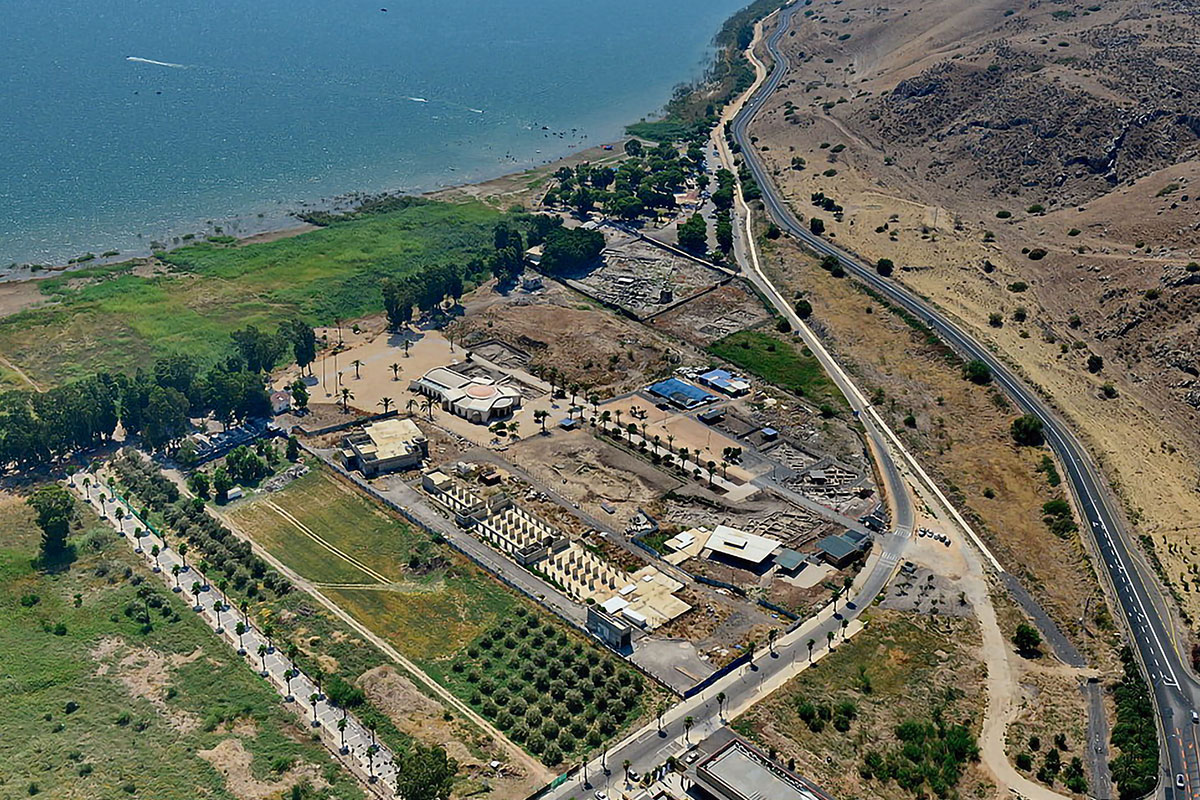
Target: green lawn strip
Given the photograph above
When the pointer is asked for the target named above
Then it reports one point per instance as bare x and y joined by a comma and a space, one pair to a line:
71, 726
780, 361
291, 546
113, 319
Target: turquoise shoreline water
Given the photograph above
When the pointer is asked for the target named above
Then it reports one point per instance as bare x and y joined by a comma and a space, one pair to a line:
127, 121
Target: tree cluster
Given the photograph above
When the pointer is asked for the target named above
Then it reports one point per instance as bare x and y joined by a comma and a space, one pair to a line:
426, 290
570, 249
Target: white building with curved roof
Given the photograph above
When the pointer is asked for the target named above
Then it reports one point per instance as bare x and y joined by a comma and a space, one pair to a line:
478, 400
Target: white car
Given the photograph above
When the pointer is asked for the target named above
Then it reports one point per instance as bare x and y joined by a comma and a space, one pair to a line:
600, 795
1179, 784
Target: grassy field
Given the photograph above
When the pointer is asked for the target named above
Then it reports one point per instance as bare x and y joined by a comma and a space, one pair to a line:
105, 707
341, 516
122, 317
432, 601
900, 669
780, 361
451, 618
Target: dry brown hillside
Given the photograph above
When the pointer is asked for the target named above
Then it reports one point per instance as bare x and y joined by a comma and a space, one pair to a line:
1034, 168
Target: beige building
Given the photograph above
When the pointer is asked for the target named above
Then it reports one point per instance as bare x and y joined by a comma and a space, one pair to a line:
385, 447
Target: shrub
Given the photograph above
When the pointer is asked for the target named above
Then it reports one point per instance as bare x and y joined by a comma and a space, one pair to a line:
1037, 254
1027, 431
1036, 208
1095, 363
1003, 214
885, 267
977, 372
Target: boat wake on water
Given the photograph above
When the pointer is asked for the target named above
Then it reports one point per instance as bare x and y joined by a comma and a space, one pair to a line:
140, 60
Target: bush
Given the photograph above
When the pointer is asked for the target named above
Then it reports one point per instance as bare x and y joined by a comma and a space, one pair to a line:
885, 267
1027, 431
996, 319
1027, 639
1003, 214
804, 309
977, 372
1037, 254
1095, 363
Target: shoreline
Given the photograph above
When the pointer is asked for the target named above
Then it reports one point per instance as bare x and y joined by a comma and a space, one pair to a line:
292, 225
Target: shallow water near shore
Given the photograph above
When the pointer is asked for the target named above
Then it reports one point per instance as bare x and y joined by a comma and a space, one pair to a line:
127, 121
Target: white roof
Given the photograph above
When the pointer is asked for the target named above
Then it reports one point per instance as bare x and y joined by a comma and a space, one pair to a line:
739, 544
680, 540
614, 605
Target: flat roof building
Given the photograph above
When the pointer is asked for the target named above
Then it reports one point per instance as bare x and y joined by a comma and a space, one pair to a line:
385, 446
732, 543
725, 381
680, 393
739, 771
842, 549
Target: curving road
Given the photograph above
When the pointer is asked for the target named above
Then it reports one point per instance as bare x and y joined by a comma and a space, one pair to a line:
1147, 616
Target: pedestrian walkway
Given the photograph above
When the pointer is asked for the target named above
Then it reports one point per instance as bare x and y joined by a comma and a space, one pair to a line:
354, 741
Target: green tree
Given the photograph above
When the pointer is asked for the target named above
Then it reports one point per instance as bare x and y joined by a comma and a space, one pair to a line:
1027, 639
221, 484
977, 371
804, 308
200, 485
693, 234
165, 417
885, 267
1027, 431
816, 225
568, 249
425, 773
54, 506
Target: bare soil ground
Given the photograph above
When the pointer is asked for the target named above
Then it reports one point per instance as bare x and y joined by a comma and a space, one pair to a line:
564, 331
725, 310
424, 719
942, 127
145, 673
589, 471
231, 758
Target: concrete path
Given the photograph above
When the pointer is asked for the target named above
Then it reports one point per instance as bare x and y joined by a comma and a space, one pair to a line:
372, 761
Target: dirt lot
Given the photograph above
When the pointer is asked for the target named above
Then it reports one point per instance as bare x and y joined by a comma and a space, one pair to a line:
562, 330
723, 311
589, 471
878, 108
424, 719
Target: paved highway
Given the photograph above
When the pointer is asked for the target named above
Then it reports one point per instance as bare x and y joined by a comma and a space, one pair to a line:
1175, 688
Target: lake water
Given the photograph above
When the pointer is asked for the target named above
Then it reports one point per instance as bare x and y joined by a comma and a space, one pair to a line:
127, 121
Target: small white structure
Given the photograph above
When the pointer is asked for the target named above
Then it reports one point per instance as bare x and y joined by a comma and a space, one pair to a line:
478, 400
281, 401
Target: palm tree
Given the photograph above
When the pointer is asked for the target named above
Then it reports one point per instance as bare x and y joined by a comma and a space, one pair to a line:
811, 644
314, 698
288, 674
845, 625
751, 646
119, 513
829, 636
196, 587
262, 655
836, 594
154, 551
670, 443
268, 630
720, 702
625, 765
356, 363
539, 417
341, 726
240, 630
617, 413
347, 396
175, 570
217, 611
87, 488
407, 344
245, 608
318, 675
512, 429
103, 500
386, 402
772, 635
594, 399
427, 404
183, 551
712, 466
371, 760
658, 713
395, 368
688, 722
412, 403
